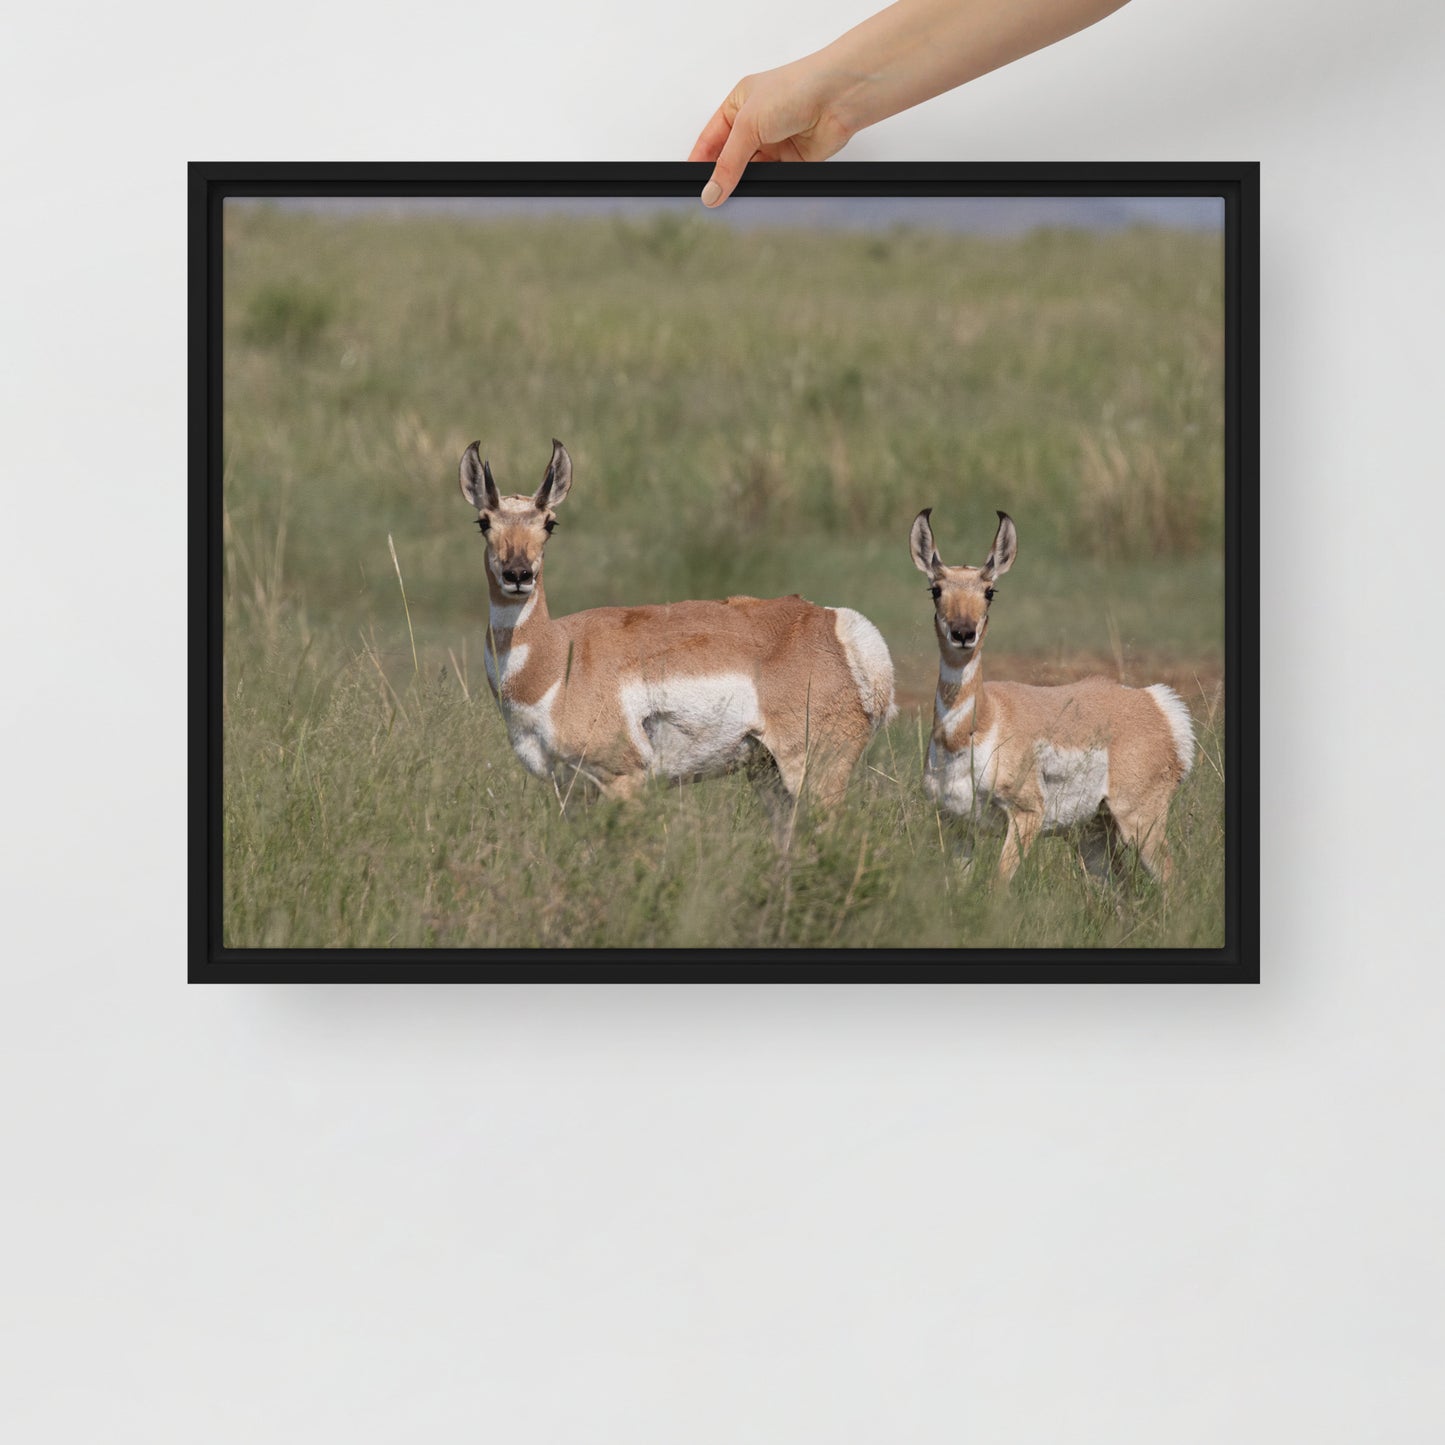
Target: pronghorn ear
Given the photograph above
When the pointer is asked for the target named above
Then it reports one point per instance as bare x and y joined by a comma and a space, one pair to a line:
477, 484
558, 481
1004, 550
920, 543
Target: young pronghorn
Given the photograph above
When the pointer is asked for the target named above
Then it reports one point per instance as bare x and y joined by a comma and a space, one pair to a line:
1092, 756
685, 690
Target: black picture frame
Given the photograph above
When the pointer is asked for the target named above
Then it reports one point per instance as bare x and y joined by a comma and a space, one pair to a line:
1237, 962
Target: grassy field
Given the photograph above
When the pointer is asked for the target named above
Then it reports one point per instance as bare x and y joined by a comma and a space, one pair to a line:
756, 412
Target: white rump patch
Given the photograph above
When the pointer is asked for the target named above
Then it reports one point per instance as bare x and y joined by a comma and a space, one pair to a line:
1176, 714
1074, 781
689, 727
869, 662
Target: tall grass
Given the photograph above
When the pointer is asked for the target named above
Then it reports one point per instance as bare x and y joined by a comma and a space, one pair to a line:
747, 413
361, 814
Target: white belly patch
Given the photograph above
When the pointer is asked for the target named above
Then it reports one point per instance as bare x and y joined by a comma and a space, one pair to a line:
1074, 782
691, 726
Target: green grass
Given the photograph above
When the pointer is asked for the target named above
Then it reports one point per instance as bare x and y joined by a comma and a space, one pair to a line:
752, 412
372, 813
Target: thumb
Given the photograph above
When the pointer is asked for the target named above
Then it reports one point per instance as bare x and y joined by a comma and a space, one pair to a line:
740, 147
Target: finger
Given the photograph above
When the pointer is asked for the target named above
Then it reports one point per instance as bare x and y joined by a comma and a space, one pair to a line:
709, 144
739, 148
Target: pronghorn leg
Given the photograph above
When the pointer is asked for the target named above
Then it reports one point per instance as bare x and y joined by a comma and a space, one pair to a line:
817, 778
1153, 847
1144, 829
828, 774
964, 841
817, 770
1023, 828
1099, 849
772, 791
795, 769
966, 832
623, 788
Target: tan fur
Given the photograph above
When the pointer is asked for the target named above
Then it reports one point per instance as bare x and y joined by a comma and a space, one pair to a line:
785, 644
1098, 758
583, 674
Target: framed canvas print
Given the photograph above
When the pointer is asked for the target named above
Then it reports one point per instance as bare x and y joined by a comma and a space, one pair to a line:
853, 583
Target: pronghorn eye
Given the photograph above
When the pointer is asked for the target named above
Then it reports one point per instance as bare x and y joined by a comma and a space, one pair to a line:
988, 594
550, 524
484, 523
937, 591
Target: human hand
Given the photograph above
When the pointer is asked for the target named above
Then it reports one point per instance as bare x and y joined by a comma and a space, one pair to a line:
907, 53
785, 114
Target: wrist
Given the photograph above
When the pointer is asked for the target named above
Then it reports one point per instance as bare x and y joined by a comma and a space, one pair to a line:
840, 90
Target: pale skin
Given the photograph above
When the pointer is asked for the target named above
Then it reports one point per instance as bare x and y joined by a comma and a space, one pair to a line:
912, 51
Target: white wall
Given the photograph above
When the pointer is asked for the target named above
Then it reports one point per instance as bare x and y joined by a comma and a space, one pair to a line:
716, 1216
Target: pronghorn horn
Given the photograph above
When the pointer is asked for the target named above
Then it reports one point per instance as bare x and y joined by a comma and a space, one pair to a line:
557, 480
921, 544
476, 477
1005, 548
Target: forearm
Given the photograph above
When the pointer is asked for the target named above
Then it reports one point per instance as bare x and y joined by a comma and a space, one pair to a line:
917, 49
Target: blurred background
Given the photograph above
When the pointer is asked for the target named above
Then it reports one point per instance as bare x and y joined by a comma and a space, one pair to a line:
757, 400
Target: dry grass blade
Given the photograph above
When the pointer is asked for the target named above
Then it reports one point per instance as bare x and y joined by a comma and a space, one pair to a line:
1212, 704
1116, 644
415, 665
461, 675
368, 646
846, 906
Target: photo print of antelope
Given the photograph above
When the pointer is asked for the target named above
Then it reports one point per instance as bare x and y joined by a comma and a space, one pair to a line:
1094, 760
672, 681
614, 696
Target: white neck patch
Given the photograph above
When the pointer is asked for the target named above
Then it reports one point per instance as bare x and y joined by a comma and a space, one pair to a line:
501, 669
507, 615
958, 676
954, 716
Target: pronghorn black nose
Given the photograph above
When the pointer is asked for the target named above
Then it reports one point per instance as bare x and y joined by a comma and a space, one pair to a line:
964, 639
517, 575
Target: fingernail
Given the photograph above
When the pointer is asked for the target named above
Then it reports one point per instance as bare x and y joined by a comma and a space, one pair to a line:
711, 193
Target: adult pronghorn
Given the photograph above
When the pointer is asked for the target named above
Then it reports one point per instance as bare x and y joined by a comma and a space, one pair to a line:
684, 690
1093, 756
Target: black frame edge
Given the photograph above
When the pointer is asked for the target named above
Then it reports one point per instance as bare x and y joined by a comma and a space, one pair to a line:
1237, 962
